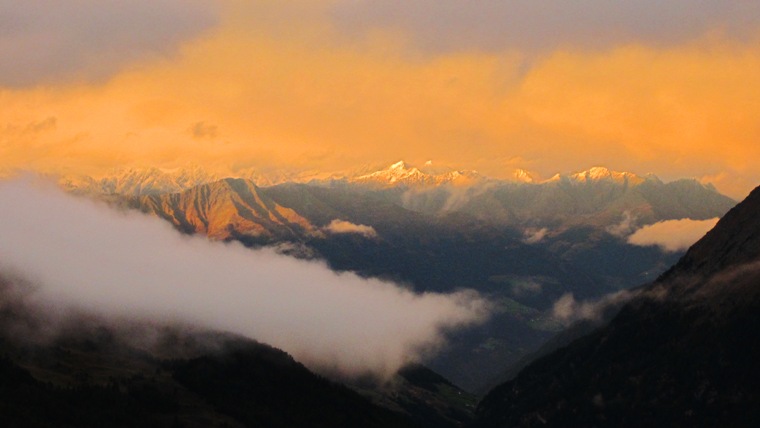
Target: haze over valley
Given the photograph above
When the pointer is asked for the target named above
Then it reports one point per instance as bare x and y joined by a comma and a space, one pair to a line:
562, 244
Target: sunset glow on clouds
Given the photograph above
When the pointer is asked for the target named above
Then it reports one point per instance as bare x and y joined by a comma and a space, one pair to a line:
661, 87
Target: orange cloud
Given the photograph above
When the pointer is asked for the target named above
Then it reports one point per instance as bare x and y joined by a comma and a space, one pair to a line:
281, 88
341, 227
690, 107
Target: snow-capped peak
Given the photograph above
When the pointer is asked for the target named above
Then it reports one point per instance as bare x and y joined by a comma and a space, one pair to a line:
597, 173
600, 173
138, 181
523, 176
401, 173
398, 166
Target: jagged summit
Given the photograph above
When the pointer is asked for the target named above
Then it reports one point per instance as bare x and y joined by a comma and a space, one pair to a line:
602, 174
523, 176
400, 165
599, 173
401, 173
150, 180
138, 181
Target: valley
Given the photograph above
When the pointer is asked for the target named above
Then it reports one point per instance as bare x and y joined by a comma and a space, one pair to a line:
539, 277
524, 245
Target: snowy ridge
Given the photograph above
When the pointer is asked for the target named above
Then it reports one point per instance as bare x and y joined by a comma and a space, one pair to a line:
151, 180
140, 181
602, 174
402, 174
599, 173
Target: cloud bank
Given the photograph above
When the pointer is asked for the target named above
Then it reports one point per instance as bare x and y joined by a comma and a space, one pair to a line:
45, 41
672, 235
86, 256
341, 226
542, 25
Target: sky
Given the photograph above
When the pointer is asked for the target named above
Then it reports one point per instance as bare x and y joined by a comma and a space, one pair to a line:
666, 87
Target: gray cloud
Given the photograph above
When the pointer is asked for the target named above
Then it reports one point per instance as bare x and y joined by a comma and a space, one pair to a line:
88, 257
45, 41
443, 25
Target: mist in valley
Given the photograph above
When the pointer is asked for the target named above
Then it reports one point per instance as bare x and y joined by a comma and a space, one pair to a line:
72, 255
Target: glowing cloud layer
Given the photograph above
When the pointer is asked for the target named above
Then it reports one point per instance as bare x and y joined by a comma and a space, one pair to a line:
329, 85
87, 256
672, 235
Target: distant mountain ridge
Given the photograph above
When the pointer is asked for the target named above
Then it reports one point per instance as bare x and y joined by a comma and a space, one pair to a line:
140, 181
616, 202
599, 173
402, 174
598, 197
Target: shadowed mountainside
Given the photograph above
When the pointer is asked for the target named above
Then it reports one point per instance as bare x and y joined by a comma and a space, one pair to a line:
85, 371
684, 352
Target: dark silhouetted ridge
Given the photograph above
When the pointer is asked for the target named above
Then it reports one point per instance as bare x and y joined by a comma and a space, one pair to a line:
735, 240
684, 352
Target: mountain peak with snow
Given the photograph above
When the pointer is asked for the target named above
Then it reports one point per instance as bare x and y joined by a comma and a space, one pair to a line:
399, 166
397, 173
401, 173
600, 173
523, 176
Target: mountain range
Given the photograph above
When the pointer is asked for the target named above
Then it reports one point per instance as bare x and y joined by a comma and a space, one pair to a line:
679, 351
682, 352
523, 244
597, 197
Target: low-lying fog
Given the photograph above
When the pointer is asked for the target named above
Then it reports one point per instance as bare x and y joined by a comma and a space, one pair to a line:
85, 255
